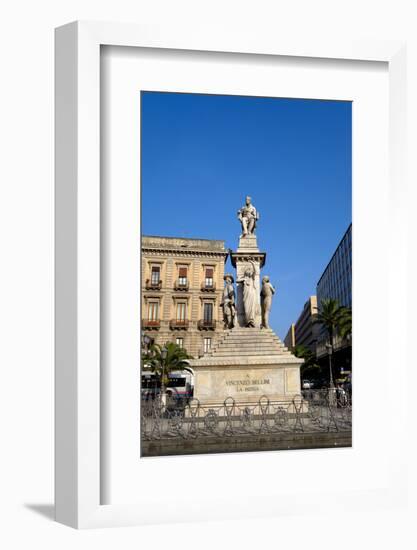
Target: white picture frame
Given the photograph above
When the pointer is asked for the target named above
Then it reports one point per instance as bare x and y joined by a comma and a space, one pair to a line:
78, 426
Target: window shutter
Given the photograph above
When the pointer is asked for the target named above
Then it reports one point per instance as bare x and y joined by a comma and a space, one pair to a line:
209, 272
183, 272
208, 312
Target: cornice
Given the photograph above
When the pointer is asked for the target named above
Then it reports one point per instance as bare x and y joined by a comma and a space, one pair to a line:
247, 257
278, 361
181, 253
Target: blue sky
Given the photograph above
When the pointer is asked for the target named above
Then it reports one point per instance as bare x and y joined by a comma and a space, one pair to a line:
202, 154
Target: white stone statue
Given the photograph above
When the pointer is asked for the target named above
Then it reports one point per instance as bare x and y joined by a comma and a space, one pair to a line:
228, 302
250, 304
267, 292
248, 217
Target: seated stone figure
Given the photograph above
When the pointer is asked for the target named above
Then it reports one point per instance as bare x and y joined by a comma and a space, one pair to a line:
248, 217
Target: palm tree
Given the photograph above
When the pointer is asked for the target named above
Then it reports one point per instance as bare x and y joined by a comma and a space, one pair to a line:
309, 367
345, 326
164, 360
336, 319
304, 353
333, 318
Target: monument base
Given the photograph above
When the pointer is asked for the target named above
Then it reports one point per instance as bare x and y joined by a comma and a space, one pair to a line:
246, 384
246, 364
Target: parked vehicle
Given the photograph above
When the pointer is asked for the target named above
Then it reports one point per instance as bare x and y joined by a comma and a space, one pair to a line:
179, 387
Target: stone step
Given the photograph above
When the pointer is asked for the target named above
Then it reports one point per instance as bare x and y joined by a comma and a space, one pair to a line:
239, 341
242, 337
237, 352
248, 342
249, 345
248, 353
237, 345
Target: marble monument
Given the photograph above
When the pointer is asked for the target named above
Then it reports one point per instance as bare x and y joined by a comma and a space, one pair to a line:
249, 361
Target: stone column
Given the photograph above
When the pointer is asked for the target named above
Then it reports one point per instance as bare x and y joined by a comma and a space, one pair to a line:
246, 254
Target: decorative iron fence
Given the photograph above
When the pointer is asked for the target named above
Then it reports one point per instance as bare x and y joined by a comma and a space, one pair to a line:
313, 411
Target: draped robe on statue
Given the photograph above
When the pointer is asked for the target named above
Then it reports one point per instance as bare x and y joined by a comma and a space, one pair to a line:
249, 297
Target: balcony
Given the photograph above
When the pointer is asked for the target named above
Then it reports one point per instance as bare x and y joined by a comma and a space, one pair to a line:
149, 285
184, 286
203, 324
177, 324
151, 325
208, 287
153, 286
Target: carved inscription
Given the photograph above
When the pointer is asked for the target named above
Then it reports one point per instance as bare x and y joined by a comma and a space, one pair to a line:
249, 385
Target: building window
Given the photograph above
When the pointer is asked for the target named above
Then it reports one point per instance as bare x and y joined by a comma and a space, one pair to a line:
153, 309
182, 276
209, 277
180, 342
207, 345
208, 312
155, 274
181, 311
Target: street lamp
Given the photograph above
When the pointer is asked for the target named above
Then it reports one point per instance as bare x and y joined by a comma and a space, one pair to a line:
164, 353
329, 349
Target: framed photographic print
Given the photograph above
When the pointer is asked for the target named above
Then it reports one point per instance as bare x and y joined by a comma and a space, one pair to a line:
224, 213
215, 376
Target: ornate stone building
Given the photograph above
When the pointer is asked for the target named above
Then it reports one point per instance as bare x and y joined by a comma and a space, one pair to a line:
182, 285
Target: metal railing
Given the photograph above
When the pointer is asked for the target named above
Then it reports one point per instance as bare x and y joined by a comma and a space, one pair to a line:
211, 287
204, 324
179, 324
314, 411
151, 324
181, 285
149, 285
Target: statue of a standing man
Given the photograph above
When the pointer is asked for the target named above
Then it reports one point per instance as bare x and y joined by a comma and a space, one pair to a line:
228, 302
267, 292
248, 217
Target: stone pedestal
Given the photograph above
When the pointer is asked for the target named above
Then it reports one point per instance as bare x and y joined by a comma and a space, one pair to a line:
246, 254
247, 384
247, 364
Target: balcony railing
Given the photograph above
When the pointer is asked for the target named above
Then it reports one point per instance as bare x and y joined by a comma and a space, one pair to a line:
181, 286
151, 324
204, 324
177, 324
208, 287
149, 285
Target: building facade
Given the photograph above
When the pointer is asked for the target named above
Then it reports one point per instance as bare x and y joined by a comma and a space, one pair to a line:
304, 332
182, 286
336, 283
336, 280
289, 340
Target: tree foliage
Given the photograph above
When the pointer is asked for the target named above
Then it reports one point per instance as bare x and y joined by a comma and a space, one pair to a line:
336, 319
309, 368
176, 359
